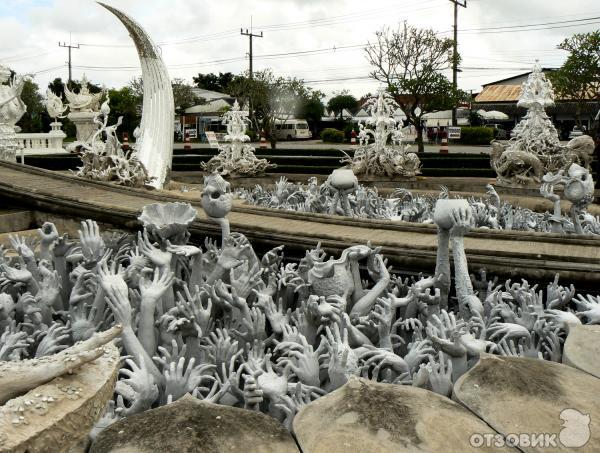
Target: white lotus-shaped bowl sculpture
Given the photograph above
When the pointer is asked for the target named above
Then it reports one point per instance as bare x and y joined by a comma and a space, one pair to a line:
168, 219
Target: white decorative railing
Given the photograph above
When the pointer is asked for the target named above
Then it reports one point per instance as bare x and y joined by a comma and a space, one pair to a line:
42, 143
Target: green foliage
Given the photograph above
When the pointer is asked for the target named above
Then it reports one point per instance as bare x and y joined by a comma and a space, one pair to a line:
311, 108
348, 128
476, 135
214, 82
475, 119
341, 101
331, 135
136, 85
35, 118
578, 79
125, 103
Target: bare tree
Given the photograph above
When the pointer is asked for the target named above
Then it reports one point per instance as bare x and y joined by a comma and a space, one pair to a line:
410, 62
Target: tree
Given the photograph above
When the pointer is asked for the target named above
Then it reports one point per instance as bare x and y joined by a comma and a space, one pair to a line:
269, 98
124, 102
136, 86
35, 118
311, 108
214, 82
184, 96
410, 60
578, 79
341, 101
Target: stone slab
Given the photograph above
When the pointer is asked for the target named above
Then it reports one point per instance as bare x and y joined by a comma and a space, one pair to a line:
516, 395
582, 348
366, 416
191, 425
15, 220
59, 415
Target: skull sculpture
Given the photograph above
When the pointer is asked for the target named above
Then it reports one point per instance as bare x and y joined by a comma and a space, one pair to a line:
216, 196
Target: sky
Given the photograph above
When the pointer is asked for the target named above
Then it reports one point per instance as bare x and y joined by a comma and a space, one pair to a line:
320, 41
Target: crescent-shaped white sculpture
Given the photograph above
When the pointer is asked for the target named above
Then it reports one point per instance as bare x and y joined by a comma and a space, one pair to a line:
155, 141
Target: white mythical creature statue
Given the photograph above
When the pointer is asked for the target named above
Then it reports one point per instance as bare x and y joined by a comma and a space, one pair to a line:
236, 158
379, 158
84, 101
54, 105
534, 148
12, 109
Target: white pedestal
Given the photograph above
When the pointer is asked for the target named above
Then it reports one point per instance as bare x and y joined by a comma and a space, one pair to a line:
84, 123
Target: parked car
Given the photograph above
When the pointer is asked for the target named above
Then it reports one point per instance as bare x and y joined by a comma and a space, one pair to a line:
292, 129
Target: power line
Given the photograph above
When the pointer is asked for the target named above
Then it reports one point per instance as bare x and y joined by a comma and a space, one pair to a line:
530, 29
532, 25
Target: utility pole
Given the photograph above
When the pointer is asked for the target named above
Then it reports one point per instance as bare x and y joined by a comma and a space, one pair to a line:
69, 46
250, 35
455, 52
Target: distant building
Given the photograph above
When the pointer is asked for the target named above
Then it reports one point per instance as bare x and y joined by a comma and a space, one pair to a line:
502, 95
206, 116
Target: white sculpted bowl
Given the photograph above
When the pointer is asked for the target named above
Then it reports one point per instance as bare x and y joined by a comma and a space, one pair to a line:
168, 219
343, 178
443, 210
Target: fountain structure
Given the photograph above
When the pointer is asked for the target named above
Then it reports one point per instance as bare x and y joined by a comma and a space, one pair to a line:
380, 158
236, 158
534, 148
12, 109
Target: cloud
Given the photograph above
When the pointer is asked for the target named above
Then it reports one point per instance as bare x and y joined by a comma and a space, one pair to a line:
196, 33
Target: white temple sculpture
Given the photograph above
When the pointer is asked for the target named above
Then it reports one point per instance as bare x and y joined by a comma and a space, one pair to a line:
216, 201
236, 158
12, 109
104, 159
155, 140
534, 148
83, 107
379, 158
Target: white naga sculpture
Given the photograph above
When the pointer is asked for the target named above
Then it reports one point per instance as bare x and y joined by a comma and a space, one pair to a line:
83, 107
104, 158
379, 158
155, 141
534, 148
236, 158
12, 109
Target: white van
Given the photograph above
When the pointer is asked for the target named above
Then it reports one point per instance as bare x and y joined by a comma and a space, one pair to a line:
292, 129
